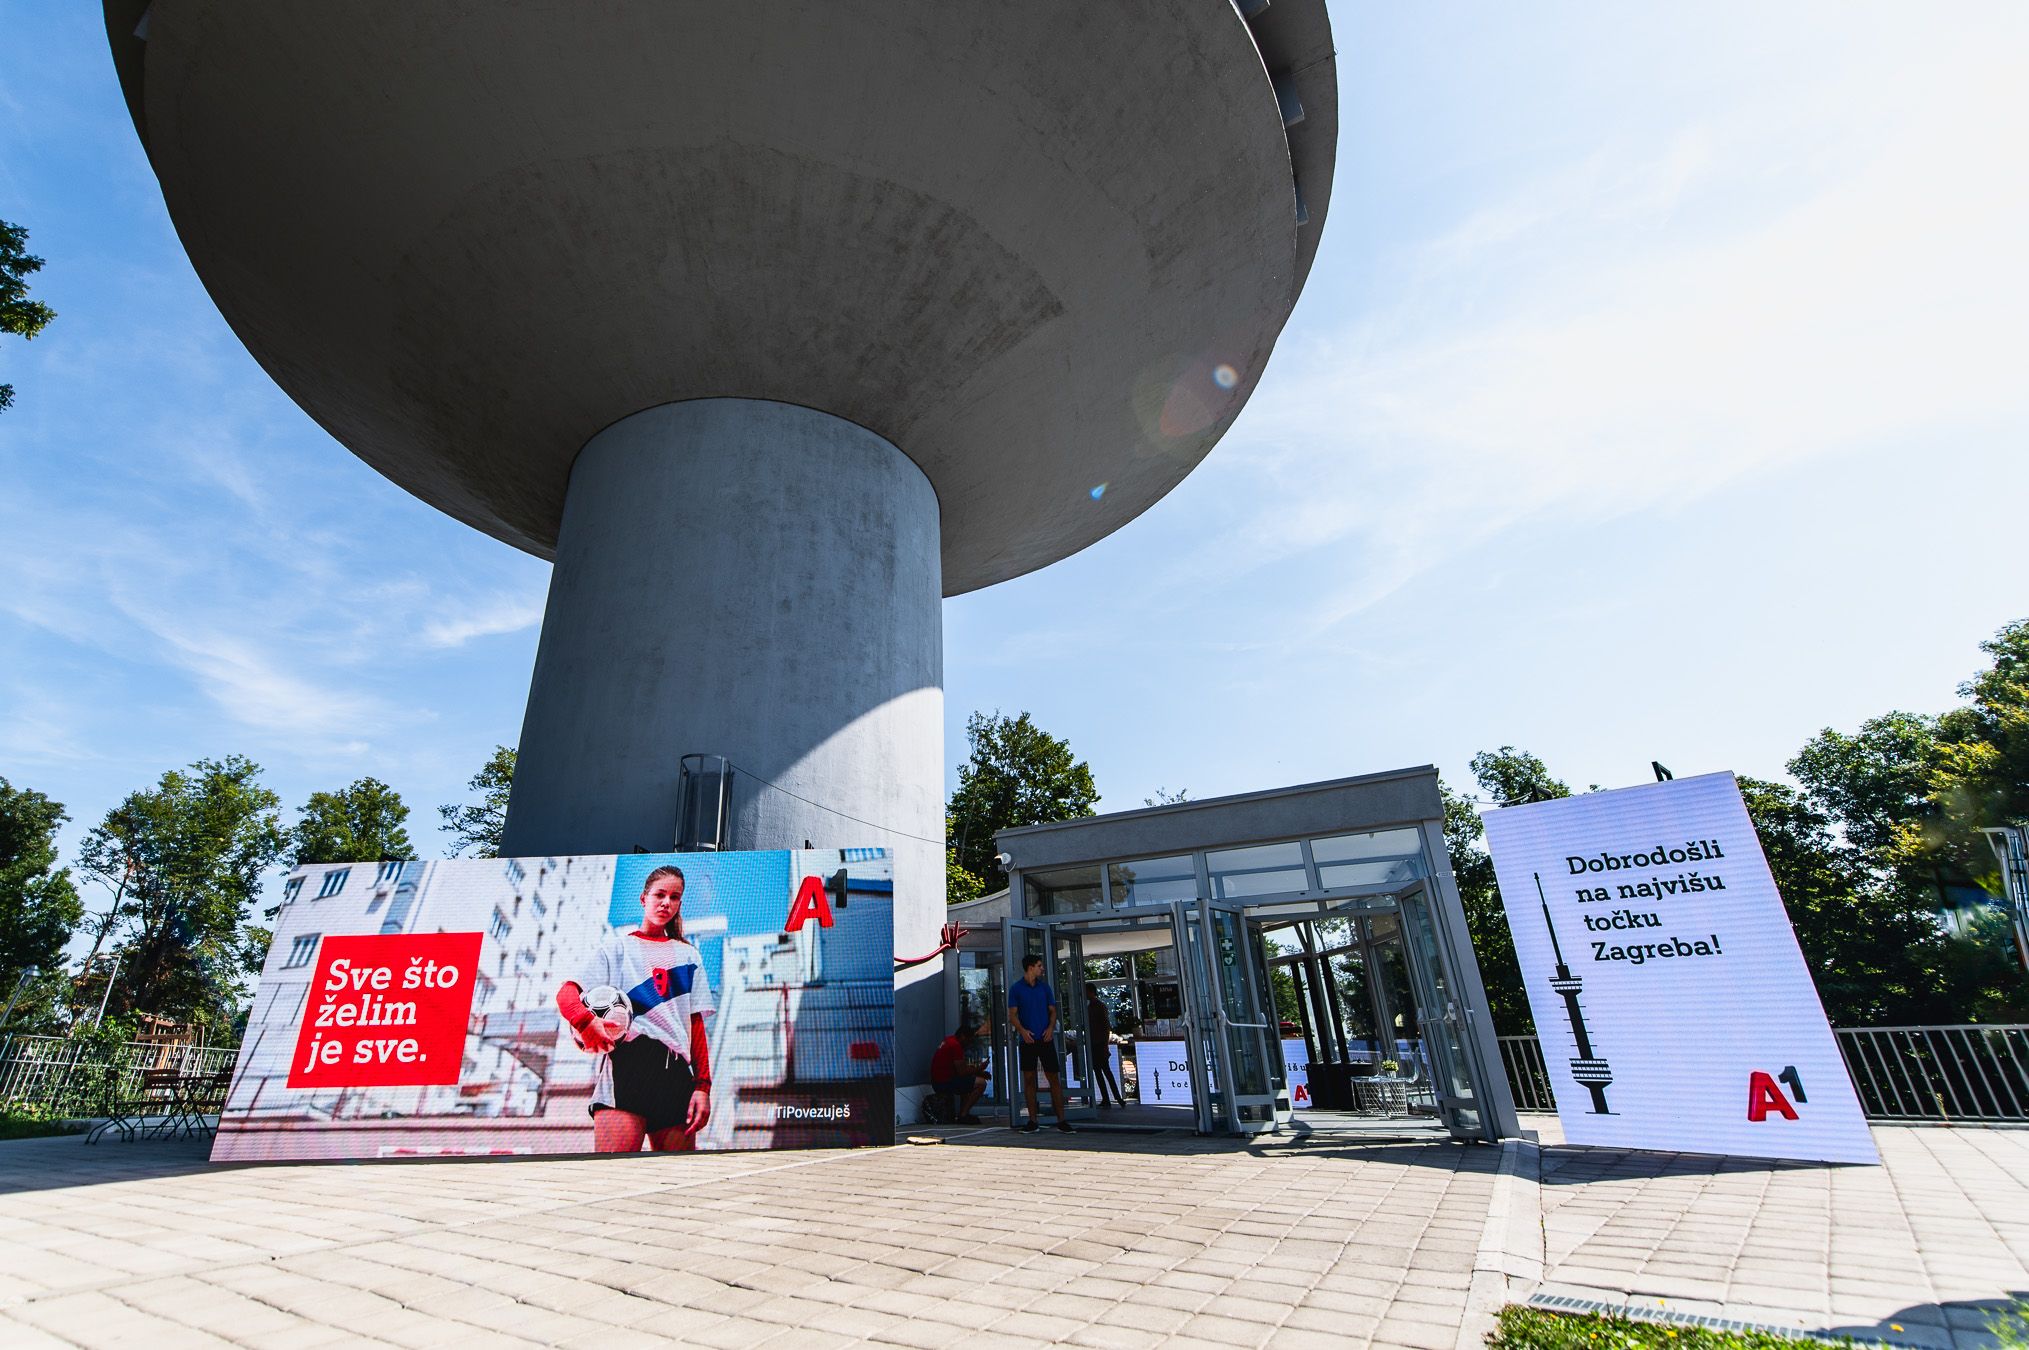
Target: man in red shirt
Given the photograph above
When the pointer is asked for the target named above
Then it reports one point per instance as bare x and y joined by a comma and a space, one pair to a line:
955, 1074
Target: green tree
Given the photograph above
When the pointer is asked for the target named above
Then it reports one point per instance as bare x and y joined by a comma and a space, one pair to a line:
959, 884
1508, 777
479, 827
360, 823
184, 860
1982, 772
19, 315
1514, 777
1875, 949
1874, 782
1907, 794
1018, 774
39, 907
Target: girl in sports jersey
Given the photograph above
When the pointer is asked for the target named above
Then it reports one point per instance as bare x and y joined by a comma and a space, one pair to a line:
656, 1081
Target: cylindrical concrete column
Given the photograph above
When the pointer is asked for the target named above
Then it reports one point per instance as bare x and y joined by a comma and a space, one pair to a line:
761, 581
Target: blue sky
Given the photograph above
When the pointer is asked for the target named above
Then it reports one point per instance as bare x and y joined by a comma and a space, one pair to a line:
1659, 393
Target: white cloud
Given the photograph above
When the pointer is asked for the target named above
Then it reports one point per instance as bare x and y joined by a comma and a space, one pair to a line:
490, 618
1824, 270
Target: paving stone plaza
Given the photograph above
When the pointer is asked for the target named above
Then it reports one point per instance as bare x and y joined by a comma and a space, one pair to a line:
985, 1240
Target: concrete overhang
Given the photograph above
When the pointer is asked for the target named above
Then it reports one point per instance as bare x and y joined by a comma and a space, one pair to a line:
1042, 248
1371, 801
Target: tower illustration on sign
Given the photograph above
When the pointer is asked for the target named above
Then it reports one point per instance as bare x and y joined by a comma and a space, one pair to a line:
1587, 1069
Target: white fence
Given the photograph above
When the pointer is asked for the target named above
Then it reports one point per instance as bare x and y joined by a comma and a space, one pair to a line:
68, 1077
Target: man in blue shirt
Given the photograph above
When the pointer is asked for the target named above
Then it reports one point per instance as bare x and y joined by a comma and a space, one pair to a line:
1032, 1012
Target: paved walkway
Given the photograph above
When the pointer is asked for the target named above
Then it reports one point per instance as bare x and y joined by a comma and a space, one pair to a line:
1919, 1251
981, 1242
990, 1241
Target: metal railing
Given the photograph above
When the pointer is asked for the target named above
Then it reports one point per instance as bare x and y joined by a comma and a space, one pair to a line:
1970, 1073
1528, 1076
69, 1077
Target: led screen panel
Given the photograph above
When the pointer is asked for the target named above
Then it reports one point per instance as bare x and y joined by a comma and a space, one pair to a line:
1672, 1003
507, 1006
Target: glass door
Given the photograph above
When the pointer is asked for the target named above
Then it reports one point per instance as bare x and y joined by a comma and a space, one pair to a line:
1237, 1024
1441, 1020
1067, 979
1020, 939
982, 1002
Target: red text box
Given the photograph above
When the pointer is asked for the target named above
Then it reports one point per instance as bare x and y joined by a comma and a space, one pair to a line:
387, 1011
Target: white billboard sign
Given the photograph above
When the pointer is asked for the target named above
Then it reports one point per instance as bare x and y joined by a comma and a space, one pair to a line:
1672, 1003
1163, 1069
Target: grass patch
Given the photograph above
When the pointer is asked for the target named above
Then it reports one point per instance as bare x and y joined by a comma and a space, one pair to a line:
19, 1122
1523, 1328
2011, 1328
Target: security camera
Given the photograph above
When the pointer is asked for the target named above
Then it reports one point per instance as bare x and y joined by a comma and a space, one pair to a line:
1006, 860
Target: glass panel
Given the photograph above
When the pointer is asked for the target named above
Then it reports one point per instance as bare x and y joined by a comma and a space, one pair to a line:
1118, 996
1154, 881
982, 1001
1441, 1022
1105, 968
1355, 1007
1399, 843
1265, 869
1229, 949
1334, 875
1069, 890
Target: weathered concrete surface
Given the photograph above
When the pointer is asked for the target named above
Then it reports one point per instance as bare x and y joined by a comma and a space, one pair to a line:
1041, 247
760, 581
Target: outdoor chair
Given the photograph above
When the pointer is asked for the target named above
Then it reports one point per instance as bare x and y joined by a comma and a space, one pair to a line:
157, 1098
199, 1097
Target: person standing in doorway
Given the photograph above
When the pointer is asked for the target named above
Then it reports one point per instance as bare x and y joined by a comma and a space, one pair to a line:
1099, 1036
1032, 1012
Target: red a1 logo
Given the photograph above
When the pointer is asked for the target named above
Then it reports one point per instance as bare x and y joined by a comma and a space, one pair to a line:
1763, 1096
811, 903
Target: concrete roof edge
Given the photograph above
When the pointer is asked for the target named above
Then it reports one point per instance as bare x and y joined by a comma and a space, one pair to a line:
1265, 794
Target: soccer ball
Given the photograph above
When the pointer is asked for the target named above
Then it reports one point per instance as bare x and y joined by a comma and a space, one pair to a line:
610, 1006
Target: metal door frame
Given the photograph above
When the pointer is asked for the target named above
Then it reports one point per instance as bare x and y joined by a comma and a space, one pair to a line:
1440, 1021
1014, 947
1252, 1112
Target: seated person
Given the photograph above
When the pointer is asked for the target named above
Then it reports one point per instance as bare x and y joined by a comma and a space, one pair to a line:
957, 1075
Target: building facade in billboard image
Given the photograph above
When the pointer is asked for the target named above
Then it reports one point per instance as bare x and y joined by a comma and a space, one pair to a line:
467, 1007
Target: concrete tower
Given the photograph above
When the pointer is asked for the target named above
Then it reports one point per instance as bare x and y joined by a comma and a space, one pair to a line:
771, 323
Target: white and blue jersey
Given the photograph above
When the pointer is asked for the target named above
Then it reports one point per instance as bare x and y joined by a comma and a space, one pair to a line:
665, 983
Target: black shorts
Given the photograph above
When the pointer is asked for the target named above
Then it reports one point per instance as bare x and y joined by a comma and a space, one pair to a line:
651, 1081
1040, 1054
957, 1083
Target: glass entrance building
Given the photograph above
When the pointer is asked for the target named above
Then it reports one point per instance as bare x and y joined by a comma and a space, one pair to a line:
1244, 964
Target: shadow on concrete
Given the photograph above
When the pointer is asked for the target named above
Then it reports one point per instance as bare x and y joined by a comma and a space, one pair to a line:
1580, 1165
1409, 1147
1958, 1323
66, 1161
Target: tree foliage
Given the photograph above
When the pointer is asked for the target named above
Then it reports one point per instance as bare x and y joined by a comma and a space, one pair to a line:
360, 823
39, 907
1508, 777
1018, 774
184, 860
19, 315
478, 826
